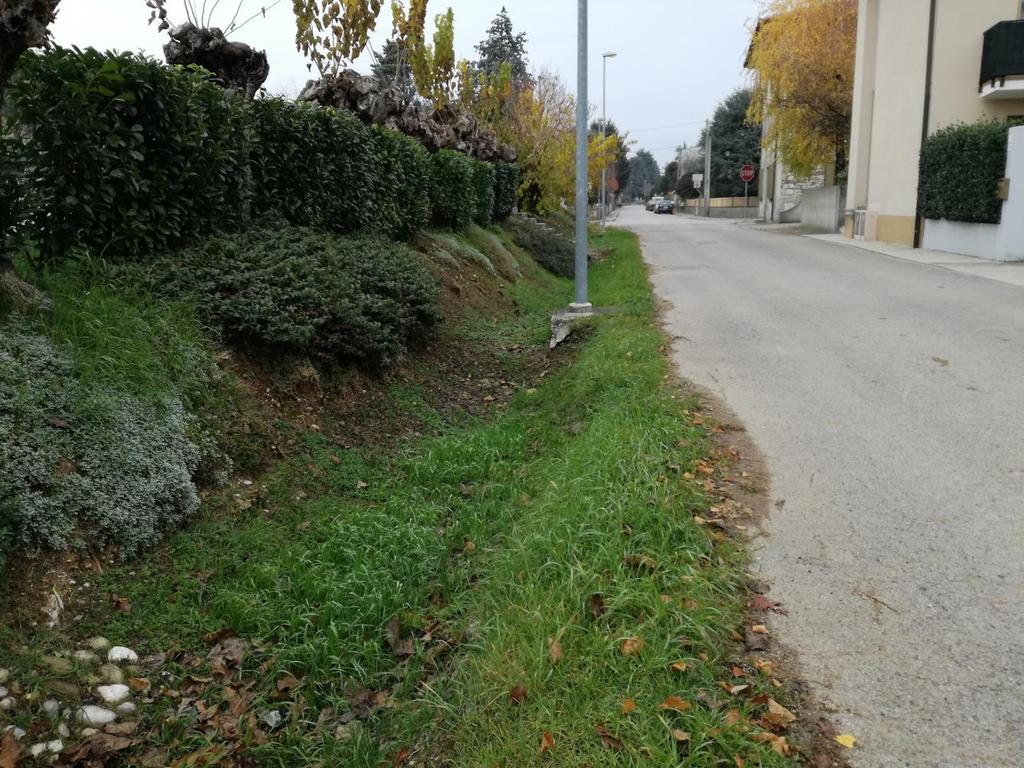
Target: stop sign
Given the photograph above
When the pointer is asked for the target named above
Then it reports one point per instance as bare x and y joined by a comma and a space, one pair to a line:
747, 173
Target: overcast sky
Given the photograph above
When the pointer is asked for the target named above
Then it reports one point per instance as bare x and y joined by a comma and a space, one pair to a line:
677, 58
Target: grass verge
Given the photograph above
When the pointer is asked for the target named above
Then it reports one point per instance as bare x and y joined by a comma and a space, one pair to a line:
534, 587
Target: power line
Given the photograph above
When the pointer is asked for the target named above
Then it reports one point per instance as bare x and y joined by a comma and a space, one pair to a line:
667, 127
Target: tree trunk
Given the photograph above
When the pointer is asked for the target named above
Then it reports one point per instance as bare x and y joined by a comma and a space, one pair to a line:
238, 66
23, 25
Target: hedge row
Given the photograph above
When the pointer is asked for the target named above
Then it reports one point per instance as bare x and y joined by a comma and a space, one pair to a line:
126, 156
961, 167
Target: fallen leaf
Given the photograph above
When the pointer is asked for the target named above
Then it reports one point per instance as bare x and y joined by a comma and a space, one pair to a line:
675, 703
10, 750
518, 694
287, 683
680, 735
122, 604
121, 729
400, 758
678, 666
732, 717
641, 562
765, 666
738, 672
555, 654
628, 706
360, 485
470, 547
608, 741
666, 599
846, 740
596, 603
759, 629
631, 646
755, 641
98, 749
227, 655
547, 741
740, 762
736, 690
941, 361
778, 717
778, 743
762, 603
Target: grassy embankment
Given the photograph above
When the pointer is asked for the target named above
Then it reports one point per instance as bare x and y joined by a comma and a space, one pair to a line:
526, 587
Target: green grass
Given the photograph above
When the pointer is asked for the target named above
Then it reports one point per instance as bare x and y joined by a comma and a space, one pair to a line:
494, 536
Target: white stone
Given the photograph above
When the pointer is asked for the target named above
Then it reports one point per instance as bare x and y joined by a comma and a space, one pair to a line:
128, 708
63, 731
120, 653
55, 746
5, 675
7, 704
3, 692
114, 694
86, 657
37, 749
98, 644
51, 707
95, 716
19, 733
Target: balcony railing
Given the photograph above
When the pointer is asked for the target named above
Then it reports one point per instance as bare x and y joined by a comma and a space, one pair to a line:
1002, 61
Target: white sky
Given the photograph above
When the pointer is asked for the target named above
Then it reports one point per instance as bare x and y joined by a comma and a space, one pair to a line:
677, 58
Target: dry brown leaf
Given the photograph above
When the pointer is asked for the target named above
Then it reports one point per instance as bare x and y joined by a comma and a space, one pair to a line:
631, 646
400, 758
596, 603
287, 683
98, 749
740, 762
547, 741
555, 653
518, 694
640, 562
678, 666
762, 603
10, 750
778, 717
628, 706
765, 666
732, 717
736, 690
759, 629
608, 741
738, 672
680, 735
121, 729
122, 604
675, 704
227, 655
778, 743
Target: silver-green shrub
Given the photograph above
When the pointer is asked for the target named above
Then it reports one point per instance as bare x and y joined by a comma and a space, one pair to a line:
86, 466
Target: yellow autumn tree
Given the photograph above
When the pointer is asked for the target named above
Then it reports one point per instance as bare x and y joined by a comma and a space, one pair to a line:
803, 52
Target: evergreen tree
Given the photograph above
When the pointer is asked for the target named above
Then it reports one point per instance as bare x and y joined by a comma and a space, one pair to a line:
644, 175
734, 143
392, 67
503, 46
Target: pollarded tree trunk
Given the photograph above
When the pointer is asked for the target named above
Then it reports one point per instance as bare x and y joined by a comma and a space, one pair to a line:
238, 66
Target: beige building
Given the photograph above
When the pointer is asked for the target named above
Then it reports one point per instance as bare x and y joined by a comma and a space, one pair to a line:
923, 65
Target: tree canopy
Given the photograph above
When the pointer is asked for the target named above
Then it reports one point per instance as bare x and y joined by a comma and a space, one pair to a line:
803, 52
734, 143
643, 174
502, 46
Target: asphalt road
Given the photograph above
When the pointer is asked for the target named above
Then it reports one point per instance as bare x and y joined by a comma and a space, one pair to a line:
888, 400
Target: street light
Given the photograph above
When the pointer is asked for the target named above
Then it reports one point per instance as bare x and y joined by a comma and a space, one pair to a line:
581, 301
604, 131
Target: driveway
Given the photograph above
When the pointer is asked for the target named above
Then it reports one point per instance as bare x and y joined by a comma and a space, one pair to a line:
888, 399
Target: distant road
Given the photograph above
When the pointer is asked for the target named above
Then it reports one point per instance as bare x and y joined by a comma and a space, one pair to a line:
888, 399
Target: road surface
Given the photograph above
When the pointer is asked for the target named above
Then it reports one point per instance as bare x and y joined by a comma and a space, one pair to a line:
888, 400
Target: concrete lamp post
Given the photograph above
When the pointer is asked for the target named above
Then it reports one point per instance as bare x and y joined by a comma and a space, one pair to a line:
604, 132
581, 300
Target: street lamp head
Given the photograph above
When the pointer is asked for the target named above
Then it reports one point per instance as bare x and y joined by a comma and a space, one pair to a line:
609, 55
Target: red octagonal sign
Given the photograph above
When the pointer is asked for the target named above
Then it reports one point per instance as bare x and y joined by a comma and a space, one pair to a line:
747, 173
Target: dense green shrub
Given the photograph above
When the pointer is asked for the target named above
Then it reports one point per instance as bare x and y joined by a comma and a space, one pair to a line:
483, 192
960, 169
454, 203
358, 299
506, 185
84, 463
127, 156
551, 249
404, 186
311, 166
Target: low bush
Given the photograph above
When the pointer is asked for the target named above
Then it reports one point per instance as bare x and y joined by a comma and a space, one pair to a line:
404, 186
453, 199
491, 246
86, 463
961, 166
483, 192
355, 299
506, 186
128, 156
549, 247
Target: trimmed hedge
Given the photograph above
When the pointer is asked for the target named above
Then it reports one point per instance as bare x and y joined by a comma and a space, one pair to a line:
341, 298
960, 170
125, 155
483, 192
506, 186
453, 198
405, 184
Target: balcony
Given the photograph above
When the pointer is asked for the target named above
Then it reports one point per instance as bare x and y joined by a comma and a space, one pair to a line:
1002, 62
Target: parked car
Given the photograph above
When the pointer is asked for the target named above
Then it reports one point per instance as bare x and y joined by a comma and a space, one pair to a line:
653, 203
666, 206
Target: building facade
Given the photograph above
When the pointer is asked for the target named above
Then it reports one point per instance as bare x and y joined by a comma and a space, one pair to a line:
921, 66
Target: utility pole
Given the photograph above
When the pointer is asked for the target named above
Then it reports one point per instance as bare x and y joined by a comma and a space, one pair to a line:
707, 168
581, 297
604, 133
